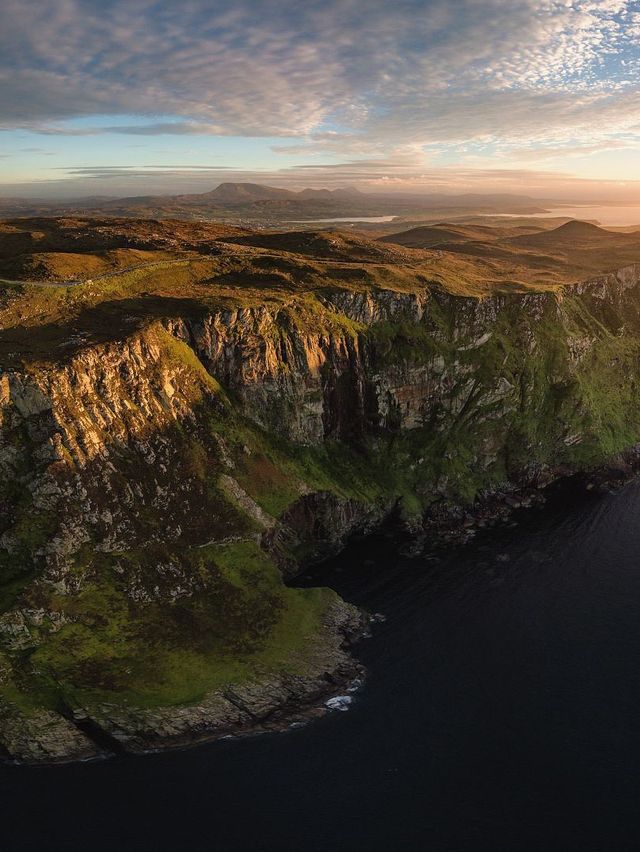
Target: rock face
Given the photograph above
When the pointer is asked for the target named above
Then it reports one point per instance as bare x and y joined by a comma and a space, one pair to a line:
44, 737
156, 487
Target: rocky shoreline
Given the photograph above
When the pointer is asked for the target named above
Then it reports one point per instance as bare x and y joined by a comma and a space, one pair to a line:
278, 703
274, 703
449, 525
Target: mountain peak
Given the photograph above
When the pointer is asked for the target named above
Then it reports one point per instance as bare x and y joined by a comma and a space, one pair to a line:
578, 228
243, 193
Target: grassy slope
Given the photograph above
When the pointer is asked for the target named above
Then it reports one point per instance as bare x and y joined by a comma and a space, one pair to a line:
245, 623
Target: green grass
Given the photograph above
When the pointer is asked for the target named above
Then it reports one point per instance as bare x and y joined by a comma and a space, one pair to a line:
247, 624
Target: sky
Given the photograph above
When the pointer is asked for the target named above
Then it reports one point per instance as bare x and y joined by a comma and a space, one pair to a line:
122, 97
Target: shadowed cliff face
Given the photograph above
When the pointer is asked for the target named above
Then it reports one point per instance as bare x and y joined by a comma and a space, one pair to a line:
156, 486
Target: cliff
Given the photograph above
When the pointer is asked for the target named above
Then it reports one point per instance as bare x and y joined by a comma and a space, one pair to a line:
158, 481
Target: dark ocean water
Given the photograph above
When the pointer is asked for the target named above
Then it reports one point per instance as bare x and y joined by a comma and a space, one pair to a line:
502, 712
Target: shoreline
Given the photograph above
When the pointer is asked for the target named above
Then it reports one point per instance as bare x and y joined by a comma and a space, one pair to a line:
272, 705
280, 704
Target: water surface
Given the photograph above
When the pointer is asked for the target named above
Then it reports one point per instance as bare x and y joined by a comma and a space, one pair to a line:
502, 712
606, 215
353, 219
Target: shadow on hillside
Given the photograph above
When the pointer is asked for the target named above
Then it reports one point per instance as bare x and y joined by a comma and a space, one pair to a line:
56, 342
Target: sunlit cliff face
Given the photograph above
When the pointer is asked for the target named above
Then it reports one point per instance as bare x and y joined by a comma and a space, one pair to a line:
123, 96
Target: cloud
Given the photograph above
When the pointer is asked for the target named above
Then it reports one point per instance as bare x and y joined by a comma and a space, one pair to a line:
578, 150
284, 68
99, 172
161, 128
347, 78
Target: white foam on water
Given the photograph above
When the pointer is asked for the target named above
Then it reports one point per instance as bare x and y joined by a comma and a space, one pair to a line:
339, 702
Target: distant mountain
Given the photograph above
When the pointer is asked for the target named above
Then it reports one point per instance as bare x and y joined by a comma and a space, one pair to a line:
578, 229
573, 233
249, 193
244, 193
346, 192
257, 203
236, 197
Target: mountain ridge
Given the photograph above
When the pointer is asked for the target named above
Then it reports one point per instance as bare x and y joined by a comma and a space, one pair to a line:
272, 204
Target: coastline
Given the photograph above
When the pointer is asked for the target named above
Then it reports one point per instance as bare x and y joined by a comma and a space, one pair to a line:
280, 702
271, 704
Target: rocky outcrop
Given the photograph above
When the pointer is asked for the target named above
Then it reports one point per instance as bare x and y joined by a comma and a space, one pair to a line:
44, 737
272, 701
319, 524
155, 488
393, 361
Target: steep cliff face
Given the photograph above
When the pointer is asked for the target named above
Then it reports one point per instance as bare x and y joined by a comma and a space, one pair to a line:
155, 487
302, 367
533, 374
